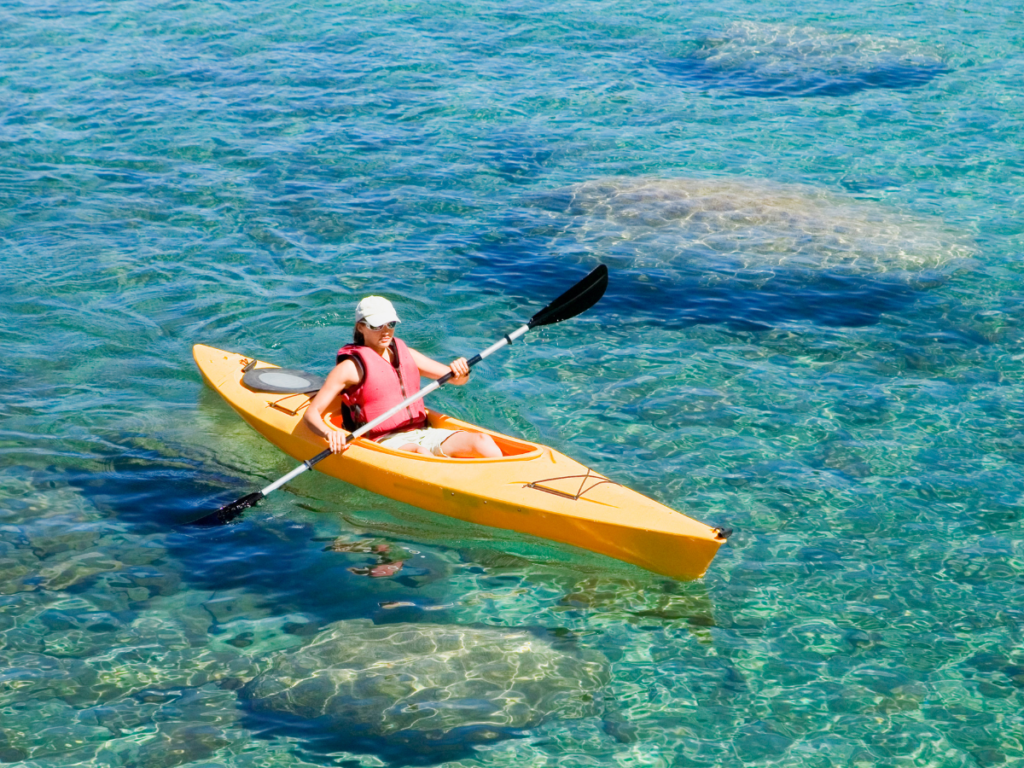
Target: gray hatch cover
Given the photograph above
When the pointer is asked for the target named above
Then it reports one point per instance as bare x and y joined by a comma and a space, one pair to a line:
281, 380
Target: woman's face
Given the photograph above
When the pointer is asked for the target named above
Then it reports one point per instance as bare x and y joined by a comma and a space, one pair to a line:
378, 338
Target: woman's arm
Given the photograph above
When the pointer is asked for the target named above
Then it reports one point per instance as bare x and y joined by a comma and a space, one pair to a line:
435, 370
346, 374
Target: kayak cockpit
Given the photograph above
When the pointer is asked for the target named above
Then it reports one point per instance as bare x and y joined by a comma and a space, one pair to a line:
511, 448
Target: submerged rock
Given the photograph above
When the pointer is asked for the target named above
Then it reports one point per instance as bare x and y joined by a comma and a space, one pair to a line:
62, 574
751, 58
417, 683
746, 224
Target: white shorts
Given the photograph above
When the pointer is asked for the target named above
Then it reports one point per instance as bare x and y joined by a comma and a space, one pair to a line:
429, 438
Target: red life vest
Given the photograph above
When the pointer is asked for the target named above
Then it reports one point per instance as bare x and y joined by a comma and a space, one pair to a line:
383, 387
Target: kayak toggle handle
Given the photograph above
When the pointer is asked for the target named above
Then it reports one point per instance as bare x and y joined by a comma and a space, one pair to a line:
722, 533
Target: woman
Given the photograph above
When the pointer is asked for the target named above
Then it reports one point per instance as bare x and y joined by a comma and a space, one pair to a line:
377, 372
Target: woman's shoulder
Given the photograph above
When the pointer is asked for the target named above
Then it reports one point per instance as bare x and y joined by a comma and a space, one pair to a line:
347, 368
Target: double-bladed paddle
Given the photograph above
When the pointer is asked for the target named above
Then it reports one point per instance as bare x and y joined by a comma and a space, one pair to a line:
575, 301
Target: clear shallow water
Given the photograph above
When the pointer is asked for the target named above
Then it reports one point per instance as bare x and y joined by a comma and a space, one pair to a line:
822, 352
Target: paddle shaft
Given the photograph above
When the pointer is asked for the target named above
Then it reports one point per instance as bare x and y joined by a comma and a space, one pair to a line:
309, 463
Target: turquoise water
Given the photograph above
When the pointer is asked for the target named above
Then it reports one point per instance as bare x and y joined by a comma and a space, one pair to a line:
812, 336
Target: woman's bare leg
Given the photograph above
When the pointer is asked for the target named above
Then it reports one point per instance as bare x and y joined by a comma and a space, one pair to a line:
470, 445
413, 448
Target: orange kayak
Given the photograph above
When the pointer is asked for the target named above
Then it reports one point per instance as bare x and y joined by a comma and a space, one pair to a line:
531, 488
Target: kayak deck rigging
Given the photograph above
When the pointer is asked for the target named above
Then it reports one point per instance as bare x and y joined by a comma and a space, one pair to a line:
285, 409
536, 485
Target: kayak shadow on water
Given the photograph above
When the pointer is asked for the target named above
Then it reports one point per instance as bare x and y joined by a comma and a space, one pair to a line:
281, 561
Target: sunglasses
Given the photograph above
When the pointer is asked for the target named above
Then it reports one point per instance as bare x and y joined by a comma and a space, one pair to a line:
390, 325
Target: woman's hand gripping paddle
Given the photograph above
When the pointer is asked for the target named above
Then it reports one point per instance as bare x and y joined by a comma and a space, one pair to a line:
575, 301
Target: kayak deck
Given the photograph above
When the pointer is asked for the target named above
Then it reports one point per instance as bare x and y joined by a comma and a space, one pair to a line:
531, 488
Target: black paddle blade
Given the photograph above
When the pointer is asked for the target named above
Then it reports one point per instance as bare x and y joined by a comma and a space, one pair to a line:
581, 297
229, 512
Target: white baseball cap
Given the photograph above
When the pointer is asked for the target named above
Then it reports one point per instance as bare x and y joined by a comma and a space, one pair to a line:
376, 310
